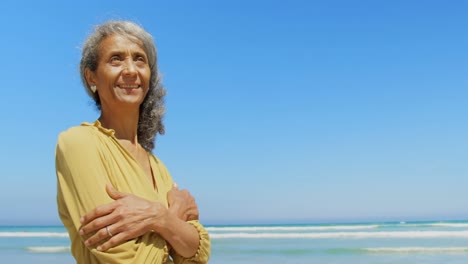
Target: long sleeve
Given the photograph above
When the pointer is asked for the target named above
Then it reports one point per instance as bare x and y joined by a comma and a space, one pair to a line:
203, 253
204, 249
81, 180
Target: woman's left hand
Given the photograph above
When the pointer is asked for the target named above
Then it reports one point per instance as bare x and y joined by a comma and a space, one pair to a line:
128, 217
182, 204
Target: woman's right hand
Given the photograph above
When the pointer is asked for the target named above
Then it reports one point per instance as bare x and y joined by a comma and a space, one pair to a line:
182, 204
127, 217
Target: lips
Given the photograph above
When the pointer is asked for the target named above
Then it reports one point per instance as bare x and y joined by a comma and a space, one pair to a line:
129, 86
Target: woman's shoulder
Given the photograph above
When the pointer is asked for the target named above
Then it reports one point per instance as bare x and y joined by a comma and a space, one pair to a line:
78, 137
75, 133
80, 143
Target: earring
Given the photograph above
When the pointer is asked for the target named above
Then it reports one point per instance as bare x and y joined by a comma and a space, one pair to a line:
93, 88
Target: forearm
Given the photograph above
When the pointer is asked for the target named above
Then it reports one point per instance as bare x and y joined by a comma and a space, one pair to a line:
182, 236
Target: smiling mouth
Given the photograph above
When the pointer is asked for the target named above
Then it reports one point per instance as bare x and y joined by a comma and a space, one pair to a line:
128, 86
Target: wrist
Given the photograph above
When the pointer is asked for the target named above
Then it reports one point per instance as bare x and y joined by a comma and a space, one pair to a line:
162, 218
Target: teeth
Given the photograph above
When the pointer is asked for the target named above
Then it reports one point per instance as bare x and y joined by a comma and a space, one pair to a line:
129, 86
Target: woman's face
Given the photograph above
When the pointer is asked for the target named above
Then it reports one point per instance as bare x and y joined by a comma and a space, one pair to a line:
123, 73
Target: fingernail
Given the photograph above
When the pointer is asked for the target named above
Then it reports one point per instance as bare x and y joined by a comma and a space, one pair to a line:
86, 243
81, 232
99, 248
81, 219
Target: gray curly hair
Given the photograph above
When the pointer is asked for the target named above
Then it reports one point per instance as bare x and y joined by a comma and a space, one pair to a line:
152, 108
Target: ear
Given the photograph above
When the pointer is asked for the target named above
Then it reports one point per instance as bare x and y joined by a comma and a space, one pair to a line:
90, 77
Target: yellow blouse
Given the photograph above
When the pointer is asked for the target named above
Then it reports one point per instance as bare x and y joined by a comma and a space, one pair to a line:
88, 157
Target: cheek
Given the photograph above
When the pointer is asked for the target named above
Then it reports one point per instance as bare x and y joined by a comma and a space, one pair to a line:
147, 78
109, 75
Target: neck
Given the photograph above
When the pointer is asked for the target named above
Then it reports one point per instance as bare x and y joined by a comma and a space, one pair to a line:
124, 123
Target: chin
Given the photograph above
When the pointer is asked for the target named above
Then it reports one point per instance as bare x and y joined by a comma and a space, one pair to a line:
131, 100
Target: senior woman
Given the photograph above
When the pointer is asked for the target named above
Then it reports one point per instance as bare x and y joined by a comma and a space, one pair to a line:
116, 199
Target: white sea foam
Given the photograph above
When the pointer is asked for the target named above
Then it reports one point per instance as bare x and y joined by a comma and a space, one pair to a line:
460, 225
33, 234
288, 228
395, 234
417, 250
441, 224
48, 249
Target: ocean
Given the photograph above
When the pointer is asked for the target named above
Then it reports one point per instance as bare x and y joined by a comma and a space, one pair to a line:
399, 242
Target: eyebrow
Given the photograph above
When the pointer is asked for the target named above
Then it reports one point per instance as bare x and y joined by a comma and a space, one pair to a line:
143, 54
120, 52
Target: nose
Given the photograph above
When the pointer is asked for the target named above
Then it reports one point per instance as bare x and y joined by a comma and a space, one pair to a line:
129, 68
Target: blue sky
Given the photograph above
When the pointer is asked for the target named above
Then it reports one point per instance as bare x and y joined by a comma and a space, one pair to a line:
277, 111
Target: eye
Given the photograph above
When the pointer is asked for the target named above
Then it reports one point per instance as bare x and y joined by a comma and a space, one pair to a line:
140, 58
115, 58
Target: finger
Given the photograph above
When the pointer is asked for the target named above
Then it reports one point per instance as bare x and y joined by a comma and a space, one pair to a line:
192, 200
171, 194
112, 242
112, 227
113, 193
186, 193
121, 236
192, 217
99, 236
176, 186
192, 214
97, 212
97, 224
